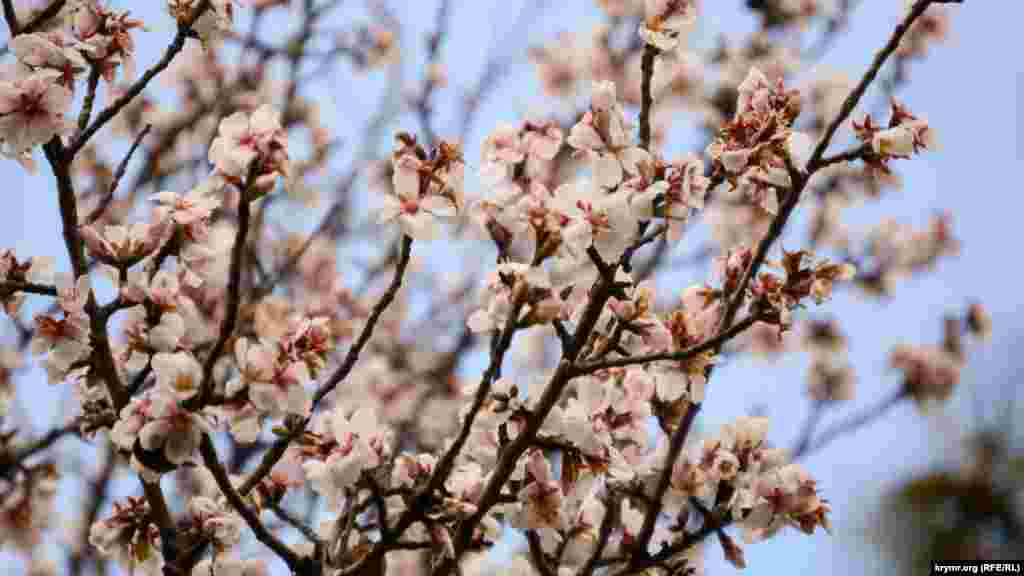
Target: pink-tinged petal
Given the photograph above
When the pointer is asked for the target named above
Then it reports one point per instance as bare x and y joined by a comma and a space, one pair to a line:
631, 158
419, 226
735, 161
406, 178
234, 126
607, 170
265, 120
154, 433
438, 206
391, 209
480, 321
583, 136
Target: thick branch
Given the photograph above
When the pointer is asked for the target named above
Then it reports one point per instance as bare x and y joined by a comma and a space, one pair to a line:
9, 287
646, 98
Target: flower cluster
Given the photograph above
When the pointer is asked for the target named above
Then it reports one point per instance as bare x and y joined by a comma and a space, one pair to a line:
66, 340
906, 135
129, 535
580, 431
425, 188
757, 150
666, 21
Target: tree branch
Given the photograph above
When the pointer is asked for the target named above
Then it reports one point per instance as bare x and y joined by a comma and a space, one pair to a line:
276, 452
108, 113
646, 98
681, 355
234, 293
850, 424
209, 454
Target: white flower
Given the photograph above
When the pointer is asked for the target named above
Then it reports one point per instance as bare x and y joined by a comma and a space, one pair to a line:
175, 431
417, 215
666, 21
32, 110
179, 373
217, 521
242, 138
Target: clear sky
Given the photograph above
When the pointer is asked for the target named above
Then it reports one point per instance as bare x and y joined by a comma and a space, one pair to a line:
969, 89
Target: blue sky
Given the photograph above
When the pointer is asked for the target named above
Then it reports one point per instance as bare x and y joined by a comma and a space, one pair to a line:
969, 89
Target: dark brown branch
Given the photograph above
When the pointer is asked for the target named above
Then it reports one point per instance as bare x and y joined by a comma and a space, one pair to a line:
209, 454
611, 518
90, 96
881, 56
161, 516
295, 522
353, 353
600, 294
276, 452
118, 175
12, 18
682, 355
444, 467
234, 295
646, 97
847, 156
814, 163
675, 448
9, 287
537, 556
39, 21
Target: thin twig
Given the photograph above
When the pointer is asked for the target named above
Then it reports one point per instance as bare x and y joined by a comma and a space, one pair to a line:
280, 446
712, 343
675, 447
234, 293
852, 423
212, 463
90, 96
100, 208
353, 353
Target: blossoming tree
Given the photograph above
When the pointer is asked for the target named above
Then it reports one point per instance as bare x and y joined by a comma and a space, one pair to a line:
237, 370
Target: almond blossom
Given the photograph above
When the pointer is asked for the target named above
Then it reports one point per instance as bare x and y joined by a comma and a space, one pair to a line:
123, 245
666, 21
604, 135
130, 536
38, 52
32, 109
170, 429
246, 138
412, 205
358, 443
